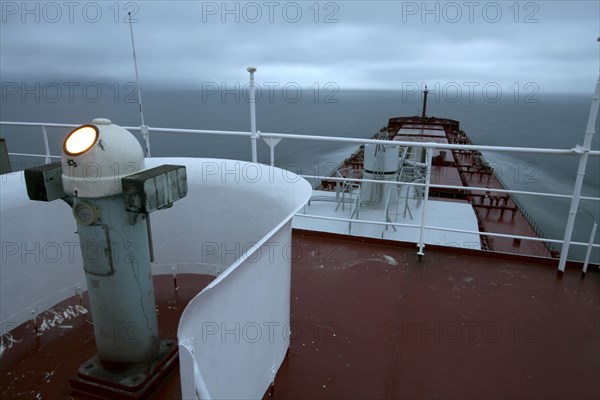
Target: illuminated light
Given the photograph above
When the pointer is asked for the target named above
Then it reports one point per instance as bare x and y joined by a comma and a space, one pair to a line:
81, 140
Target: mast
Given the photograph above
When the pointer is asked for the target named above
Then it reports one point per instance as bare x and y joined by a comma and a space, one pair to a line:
424, 108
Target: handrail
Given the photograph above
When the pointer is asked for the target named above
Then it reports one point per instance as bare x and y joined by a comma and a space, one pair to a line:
295, 136
387, 210
493, 234
577, 151
584, 151
32, 155
440, 186
308, 137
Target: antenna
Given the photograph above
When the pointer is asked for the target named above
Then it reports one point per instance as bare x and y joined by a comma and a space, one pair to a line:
143, 127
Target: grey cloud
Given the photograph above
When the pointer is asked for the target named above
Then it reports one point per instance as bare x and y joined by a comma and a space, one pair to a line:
372, 44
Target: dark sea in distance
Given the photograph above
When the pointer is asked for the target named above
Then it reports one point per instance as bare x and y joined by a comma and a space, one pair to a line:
550, 121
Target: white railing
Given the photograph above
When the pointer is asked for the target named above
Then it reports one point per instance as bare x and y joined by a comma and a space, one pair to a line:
426, 185
273, 138
354, 210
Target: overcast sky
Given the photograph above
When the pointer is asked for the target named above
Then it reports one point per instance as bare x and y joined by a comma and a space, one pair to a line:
355, 44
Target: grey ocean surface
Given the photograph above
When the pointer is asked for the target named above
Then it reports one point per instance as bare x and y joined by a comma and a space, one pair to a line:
550, 121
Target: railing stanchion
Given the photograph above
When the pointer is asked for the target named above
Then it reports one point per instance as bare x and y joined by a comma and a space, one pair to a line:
271, 142
590, 245
253, 133
46, 146
421, 244
584, 151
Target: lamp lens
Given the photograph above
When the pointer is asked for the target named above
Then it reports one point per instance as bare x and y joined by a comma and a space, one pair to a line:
81, 140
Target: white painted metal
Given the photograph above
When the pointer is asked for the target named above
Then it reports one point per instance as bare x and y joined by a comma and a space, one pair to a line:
116, 261
38, 278
425, 144
253, 133
235, 332
271, 143
40, 124
192, 385
41, 260
373, 141
416, 184
381, 158
46, 147
240, 323
421, 244
272, 136
98, 171
330, 139
31, 155
396, 224
590, 246
321, 216
587, 142
380, 164
588, 253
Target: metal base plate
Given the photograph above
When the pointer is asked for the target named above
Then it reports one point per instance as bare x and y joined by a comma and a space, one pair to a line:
92, 379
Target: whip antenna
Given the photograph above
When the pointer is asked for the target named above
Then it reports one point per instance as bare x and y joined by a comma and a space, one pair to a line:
143, 127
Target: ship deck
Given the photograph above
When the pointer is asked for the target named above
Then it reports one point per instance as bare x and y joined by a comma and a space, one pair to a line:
371, 320
496, 212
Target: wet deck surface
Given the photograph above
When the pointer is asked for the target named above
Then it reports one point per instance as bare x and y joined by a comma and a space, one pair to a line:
38, 366
371, 321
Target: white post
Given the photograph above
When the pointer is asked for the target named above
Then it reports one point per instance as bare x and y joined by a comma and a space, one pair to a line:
45, 135
421, 244
271, 142
253, 134
584, 151
589, 249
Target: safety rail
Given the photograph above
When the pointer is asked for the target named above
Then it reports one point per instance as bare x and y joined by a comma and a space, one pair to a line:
354, 211
272, 139
426, 145
343, 187
386, 210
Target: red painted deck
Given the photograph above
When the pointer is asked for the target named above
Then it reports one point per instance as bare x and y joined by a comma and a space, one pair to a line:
369, 321
450, 326
38, 366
